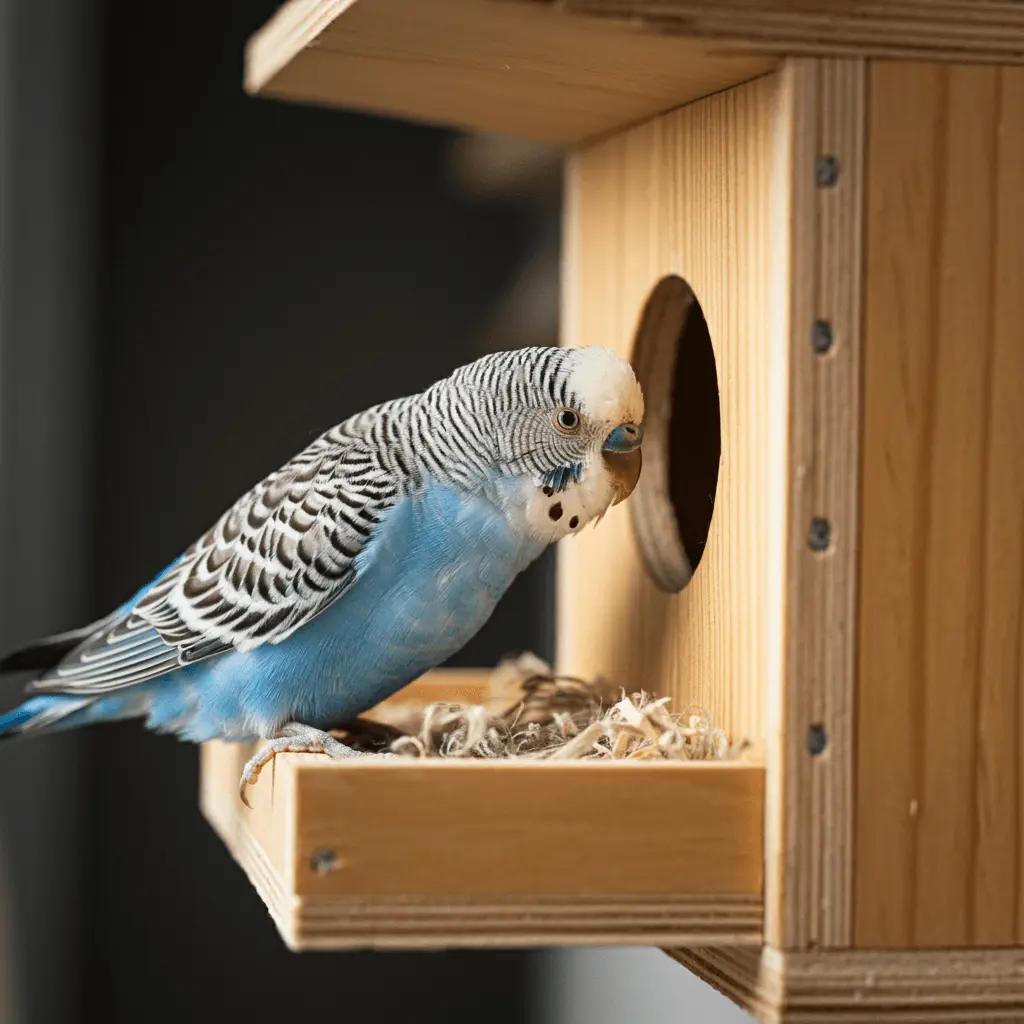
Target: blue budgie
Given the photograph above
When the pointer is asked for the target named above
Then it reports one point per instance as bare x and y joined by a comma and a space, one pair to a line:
371, 557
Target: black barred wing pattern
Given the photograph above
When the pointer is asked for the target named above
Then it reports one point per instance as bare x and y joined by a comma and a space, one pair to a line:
287, 549
278, 557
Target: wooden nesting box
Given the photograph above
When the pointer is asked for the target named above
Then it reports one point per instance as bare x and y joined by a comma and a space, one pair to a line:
803, 221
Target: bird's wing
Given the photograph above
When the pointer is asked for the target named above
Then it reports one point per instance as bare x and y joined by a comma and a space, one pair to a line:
278, 557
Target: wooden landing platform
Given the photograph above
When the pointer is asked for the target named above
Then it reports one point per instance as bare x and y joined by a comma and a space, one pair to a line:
446, 853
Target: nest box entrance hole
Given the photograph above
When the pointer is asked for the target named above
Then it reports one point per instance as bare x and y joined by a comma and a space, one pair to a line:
674, 362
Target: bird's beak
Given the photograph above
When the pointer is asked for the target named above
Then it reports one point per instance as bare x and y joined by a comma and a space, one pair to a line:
623, 458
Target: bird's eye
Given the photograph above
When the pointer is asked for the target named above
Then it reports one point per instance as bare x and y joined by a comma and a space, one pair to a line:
567, 420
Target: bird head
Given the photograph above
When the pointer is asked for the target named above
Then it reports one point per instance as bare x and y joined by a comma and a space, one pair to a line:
603, 416
567, 424
557, 431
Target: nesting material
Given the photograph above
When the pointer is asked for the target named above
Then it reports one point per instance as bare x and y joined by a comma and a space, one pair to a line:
530, 713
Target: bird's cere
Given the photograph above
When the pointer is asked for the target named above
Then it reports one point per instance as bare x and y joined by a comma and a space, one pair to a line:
625, 438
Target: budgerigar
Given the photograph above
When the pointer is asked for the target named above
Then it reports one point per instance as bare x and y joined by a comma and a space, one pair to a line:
371, 557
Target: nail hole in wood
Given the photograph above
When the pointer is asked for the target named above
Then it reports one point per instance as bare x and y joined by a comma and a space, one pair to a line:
674, 361
821, 337
817, 739
323, 861
819, 536
826, 171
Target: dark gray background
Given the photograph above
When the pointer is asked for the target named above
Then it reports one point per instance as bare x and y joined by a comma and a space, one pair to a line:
194, 284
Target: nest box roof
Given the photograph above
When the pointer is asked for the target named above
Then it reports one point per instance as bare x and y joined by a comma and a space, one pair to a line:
565, 71
520, 68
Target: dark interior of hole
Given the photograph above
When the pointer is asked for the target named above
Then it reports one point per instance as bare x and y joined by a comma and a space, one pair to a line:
695, 438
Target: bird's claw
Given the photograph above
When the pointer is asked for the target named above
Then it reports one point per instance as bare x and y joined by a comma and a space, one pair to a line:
295, 738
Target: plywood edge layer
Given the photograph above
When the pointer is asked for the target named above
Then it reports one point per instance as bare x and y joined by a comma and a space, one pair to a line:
339, 924
739, 975
955, 30
811, 864
863, 986
441, 926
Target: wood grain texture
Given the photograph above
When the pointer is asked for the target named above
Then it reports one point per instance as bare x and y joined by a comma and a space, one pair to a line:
942, 552
338, 923
428, 854
955, 30
574, 70
692, 193
723, 193
814, 872
861, 987
520, 69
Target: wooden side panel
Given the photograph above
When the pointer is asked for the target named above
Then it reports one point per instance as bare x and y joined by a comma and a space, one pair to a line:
727, 193
448, 828
690, 193
939, 843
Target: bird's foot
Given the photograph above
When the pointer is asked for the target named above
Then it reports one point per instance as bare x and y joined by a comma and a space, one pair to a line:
295, 738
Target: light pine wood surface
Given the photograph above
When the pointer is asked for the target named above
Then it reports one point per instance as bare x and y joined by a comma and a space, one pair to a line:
569, 71
434, 853
691, 193
940, 854
723, 192
955, 30
521, 69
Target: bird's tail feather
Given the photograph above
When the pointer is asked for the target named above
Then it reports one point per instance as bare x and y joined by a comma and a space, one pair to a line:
39, 714
45, 653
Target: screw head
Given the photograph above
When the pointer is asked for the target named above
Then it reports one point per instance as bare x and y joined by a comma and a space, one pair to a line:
819, 536
826, 171
323, 861
817, 739
821, 337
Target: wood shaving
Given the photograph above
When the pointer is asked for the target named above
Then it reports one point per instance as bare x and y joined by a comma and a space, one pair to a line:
531, 713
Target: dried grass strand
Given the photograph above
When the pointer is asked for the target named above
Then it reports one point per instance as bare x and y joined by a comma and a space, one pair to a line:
552, 717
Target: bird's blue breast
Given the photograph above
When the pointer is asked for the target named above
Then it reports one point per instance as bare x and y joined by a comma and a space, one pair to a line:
425, 584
